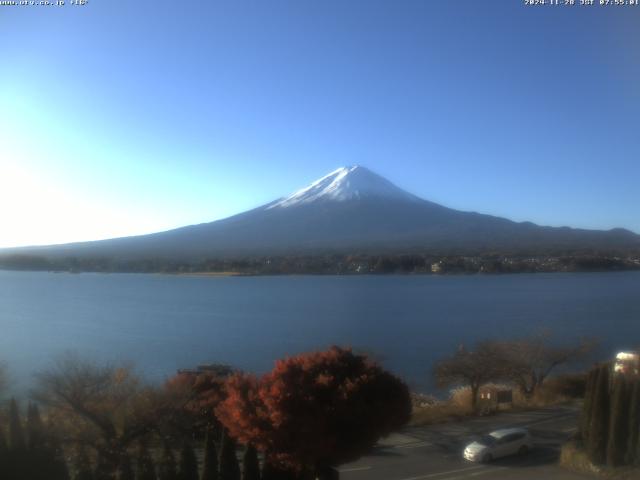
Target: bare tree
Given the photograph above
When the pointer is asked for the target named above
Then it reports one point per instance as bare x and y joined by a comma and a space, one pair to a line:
104, 407
529, 361
470, 368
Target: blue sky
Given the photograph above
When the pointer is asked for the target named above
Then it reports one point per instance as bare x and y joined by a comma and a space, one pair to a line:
121, 117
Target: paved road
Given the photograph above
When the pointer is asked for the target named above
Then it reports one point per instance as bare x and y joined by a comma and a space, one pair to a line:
435, 452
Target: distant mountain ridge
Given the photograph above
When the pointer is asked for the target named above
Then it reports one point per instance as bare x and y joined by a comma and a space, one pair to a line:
352, 209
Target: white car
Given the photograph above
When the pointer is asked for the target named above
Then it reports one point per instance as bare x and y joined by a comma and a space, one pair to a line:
508, 441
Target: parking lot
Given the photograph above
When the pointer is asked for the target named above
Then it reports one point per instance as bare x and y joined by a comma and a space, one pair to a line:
435, 452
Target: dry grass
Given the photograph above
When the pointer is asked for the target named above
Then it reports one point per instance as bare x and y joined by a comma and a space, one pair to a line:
438, 413
428, 410
460, 397
572, 457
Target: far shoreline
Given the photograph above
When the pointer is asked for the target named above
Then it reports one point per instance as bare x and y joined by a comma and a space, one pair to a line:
205, 274
228, 274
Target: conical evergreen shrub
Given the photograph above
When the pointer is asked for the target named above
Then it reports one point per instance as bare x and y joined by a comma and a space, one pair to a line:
104, 469
39, 461
35, 429
17, 465
229, 468
125, 469
599, 425
145, 468
167, 468
618, 423
637, 456
4, 448
269, 472
188, 463
16, 433
634, 422
210, 465
587, 409
59, 470
83, 470
250, 464
4, 455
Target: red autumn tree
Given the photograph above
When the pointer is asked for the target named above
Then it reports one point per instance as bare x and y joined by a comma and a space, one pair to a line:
199, 391
316, 410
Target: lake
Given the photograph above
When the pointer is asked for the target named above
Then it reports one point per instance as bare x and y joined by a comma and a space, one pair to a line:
166, 322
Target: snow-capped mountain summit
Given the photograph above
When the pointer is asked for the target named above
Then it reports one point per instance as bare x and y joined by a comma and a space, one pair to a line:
349, 210
345, 183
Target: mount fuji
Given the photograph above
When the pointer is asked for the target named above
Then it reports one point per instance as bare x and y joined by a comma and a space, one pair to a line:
346, 183
350, 210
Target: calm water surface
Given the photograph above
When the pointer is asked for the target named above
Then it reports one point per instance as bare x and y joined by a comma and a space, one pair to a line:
164, 322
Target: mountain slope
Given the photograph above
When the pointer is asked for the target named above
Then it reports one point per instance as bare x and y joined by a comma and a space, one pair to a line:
350, 209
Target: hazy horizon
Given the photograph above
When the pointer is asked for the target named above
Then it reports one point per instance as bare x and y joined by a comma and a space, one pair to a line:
236, 213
